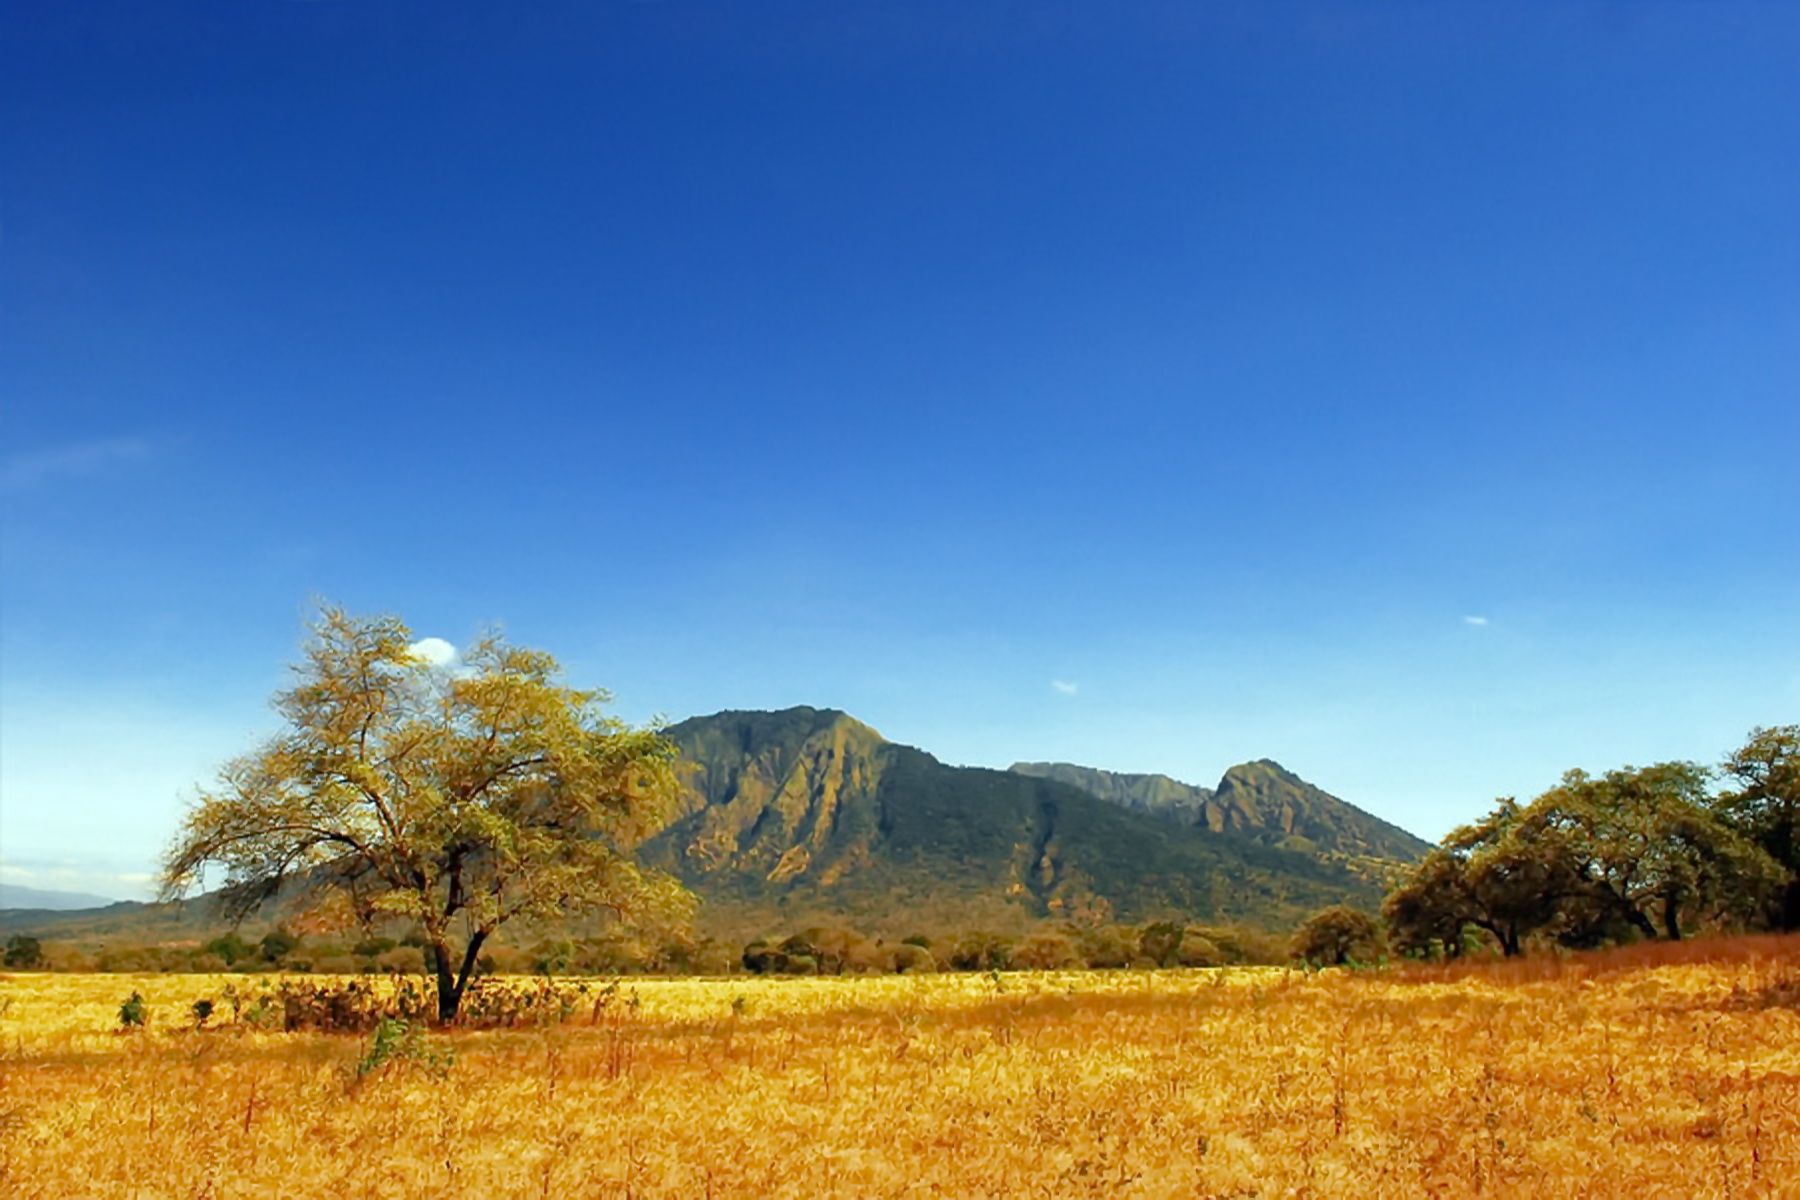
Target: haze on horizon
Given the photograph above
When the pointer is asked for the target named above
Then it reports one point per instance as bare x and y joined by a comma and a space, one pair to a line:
1406, 393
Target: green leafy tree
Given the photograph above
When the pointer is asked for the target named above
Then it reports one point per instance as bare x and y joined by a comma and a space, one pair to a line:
1488, 875
1198, 950
459, 799
1159, 941
1646, 848
23, 952
1338, 935
276, 945
1765, 807
230, 948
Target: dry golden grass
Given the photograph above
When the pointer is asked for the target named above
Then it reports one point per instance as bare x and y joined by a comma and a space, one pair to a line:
1627, 1075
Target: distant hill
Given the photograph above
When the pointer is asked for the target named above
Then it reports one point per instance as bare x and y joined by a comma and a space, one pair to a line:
810, 813
13, 895
1261, 801
1156, 795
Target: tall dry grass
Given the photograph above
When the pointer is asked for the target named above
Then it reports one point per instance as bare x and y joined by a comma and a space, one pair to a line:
1673, 1073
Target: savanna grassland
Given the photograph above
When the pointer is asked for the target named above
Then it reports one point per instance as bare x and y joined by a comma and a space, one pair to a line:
1673, 1071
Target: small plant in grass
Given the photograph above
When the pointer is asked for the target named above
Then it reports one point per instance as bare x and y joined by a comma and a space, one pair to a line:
396, 1041
202, 1011
133, 1013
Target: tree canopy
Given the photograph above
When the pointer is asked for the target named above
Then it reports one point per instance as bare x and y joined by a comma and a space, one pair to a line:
1637, 852
457, 797
1766, 806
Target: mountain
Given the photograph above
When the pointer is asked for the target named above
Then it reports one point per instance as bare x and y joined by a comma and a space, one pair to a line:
1260, 801
808, 813
1157, 795
14, 895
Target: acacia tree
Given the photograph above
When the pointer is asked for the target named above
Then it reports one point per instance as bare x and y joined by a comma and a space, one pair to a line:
1487, 875
1766, 807
459, 798
1337, 935
1647, 848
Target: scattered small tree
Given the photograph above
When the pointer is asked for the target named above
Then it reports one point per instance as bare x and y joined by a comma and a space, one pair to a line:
460, 798
24, 953
1336, 936
276, 945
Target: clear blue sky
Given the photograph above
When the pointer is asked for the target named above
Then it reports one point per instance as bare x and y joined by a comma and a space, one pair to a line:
1410, 393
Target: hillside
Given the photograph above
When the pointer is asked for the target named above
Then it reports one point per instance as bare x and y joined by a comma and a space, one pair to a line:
13, 895
810, 813
1259, 801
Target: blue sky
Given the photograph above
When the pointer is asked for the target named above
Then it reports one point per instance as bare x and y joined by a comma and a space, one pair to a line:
1410, 393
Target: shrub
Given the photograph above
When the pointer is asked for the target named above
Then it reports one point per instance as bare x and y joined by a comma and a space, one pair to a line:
1108, 948
24, 953
396, 1041
1336, 936
1198, 950
132, 1013
276, 945
231, 949
911, 959
981, 952
1046, 952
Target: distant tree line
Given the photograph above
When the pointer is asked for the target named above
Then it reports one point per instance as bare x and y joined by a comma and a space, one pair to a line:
815, 950
1657, 852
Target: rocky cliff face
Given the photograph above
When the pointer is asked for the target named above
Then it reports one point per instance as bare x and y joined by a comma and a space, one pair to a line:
809, 811
1259, 801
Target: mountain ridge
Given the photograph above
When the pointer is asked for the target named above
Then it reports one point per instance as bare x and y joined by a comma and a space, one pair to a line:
806, 809
1260, 799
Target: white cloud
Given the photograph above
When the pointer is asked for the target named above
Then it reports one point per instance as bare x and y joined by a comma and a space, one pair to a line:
1064, 687
1475, 620
34, 467
435, 651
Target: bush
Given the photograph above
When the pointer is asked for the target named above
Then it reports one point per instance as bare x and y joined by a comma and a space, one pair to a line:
912, 959
982, 952
276, 945
1046, 952
230, 949
1337, 936
1108, 949
1197, 950
24, 953
395, 1041
404, 960
132, 1013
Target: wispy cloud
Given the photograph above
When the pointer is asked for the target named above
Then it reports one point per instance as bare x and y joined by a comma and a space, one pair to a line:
33, 468
1475, 621
1064, 687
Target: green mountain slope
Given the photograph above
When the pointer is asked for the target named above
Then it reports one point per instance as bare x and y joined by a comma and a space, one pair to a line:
810, 813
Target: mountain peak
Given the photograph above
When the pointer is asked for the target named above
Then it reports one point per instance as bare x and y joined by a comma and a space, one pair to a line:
765, 727
1260, 801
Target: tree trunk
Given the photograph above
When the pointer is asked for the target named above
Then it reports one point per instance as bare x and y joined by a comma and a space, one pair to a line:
451, 986
1672, 918
448, 995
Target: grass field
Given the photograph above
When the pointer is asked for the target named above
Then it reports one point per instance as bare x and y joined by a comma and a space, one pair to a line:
1673, 1073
